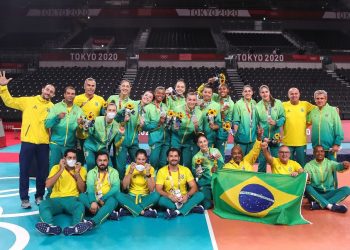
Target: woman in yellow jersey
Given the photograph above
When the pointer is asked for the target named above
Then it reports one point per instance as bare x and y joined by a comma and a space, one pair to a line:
139, 182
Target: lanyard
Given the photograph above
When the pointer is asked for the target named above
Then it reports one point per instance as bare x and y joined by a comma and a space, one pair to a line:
222, 104
250, 111
121, 102
109, 137
171, 179
100, 182
70, 173
268, 109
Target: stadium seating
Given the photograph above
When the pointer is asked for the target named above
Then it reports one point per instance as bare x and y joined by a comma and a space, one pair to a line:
180, 39
325, 39
260, 42
122, 37
30, 40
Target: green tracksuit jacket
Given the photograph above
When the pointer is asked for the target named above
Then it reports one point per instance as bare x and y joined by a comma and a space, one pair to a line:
101, 135
156, 133
277, 114
186, 132
63, 131
113, 178
326, 127
245, 116
211, 134
226, 116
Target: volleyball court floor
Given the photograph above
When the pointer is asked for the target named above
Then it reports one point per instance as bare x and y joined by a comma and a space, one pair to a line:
195, 231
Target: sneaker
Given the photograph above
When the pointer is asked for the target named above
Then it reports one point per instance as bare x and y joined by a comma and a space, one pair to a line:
169, 213
339, 208
79, 228
150, 213
124, 212
90, 223
46, 228
113, 216
26, 204
198, 209
38, 200
315, 206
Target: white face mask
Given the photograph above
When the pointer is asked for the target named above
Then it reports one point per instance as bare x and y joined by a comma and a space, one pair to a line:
111, 115
71, 163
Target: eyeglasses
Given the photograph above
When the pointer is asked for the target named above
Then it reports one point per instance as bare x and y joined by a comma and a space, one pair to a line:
284, 152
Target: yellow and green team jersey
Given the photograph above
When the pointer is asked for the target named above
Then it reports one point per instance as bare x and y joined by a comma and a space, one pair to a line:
65, 185
248, 161
93, 105
174, 180
278, 167
105, 185
294, 129
138, 181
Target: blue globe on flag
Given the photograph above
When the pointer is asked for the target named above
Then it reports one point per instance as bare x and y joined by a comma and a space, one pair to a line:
255, 198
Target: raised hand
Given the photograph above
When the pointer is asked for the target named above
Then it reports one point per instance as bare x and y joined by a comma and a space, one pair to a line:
3, 80
260, 133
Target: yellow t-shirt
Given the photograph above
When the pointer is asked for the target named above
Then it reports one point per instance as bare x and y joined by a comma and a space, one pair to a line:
106, 184
94, 105
138, 181
248, 161
65, 185
294, 128
171, 182
279, 168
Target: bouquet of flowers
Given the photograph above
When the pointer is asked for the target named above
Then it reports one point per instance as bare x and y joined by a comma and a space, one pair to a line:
105, 104
169, 118
227, 127
276, 139
129, 109
211, 115
178, 119
199, 169
88, 121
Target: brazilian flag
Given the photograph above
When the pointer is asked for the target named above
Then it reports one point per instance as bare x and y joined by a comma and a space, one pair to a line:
259, 197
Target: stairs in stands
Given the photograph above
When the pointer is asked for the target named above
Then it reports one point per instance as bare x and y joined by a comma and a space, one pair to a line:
141, 39
235, 82
130, 74
334, 74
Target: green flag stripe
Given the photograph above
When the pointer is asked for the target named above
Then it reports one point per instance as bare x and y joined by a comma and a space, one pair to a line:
256, 195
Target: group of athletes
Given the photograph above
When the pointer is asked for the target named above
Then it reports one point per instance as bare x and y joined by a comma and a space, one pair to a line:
82, 143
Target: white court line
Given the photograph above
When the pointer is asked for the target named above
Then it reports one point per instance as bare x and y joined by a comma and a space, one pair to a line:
211, 232
22, 235
19, 214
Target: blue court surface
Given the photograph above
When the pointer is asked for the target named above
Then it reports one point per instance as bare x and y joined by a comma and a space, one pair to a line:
17, 229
